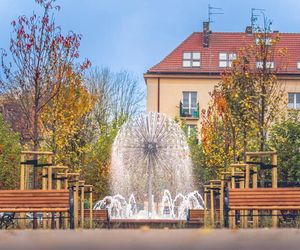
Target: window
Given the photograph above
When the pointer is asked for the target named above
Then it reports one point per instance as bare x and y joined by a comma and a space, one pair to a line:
225, 59
294, 100
266, 41
298, 65
191, 59
191, 129
189, 104
269, 65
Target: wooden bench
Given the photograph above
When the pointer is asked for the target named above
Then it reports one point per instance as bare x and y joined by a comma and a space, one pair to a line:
100, 215
25, 201
274, 199
195, 215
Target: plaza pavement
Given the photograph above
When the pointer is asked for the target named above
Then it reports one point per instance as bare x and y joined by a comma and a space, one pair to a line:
144, 238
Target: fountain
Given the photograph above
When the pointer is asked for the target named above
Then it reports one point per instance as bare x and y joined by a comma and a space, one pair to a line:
150, 161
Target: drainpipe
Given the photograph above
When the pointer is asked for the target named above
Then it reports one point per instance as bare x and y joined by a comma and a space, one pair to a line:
158, 94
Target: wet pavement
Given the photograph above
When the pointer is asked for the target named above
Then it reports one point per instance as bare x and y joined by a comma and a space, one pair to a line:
145, 238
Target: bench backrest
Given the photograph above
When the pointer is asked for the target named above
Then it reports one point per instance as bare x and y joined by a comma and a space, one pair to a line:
34, 200
101, 214
195, 214
264, 199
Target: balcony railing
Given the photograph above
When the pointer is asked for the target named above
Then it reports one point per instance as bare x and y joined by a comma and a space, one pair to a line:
192, 113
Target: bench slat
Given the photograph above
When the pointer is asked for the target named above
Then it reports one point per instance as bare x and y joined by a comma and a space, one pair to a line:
34, 200
25, 210
196, 214
265, 207
264, 199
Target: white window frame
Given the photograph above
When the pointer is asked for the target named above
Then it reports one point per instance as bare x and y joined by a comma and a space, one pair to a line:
268, 41
269, 65
294, 104
298, 65
191, 59
189, 107
226, 59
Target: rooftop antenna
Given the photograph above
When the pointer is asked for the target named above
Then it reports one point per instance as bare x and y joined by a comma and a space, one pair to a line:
255, 13
213, 11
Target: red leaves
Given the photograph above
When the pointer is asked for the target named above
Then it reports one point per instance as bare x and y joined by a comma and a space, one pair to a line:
67, 44
45, 20
28, 46
20, 32
86, 64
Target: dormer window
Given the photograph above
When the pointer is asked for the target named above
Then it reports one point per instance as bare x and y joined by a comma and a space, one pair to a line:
269, 65
226, 59
191, 59
267, 41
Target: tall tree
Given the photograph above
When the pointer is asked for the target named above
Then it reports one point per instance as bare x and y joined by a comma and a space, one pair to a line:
118, 95
246, 102
269, 90
63, 118
41, 56
285, 139
10, 150
216, 133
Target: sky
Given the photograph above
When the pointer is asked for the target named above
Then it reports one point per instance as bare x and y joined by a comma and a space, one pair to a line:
134, 35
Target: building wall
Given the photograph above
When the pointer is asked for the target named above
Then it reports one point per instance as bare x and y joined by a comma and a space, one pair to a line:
171, 89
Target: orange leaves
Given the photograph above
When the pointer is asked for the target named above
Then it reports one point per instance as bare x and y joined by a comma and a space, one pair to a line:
63, 117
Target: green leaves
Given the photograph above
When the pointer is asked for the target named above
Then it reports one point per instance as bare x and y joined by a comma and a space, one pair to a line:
285, 138
9, 157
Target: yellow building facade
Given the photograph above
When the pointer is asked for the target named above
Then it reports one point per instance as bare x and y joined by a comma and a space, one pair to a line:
180, 84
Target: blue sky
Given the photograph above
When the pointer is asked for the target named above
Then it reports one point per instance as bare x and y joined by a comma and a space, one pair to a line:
136, 34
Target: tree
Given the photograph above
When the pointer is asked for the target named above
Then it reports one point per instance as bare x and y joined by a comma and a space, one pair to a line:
63, 118
246, 102
41, 57
269, 91
9, 157
118, 95
216, 134
285, 139
117, 98
238, 88
96, 168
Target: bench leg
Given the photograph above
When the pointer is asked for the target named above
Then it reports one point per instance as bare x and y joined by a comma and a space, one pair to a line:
274, 218
60, 225
71, 208
255, 218
232, 223
52, 220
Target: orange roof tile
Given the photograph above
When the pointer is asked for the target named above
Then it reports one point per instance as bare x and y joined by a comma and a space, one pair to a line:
225, 42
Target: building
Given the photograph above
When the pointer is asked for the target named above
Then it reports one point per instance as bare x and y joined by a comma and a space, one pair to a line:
180, 84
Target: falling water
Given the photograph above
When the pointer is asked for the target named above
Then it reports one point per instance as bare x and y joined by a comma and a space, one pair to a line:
150, 154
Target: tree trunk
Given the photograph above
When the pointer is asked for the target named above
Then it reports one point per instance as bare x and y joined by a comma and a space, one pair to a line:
244, 144
234, 143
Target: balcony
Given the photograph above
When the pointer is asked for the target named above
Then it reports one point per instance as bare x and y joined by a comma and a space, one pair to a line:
189, 113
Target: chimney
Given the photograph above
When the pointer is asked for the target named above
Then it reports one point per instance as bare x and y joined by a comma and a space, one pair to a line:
248, 30
206, 32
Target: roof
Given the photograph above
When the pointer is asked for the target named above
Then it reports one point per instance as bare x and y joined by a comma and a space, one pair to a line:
230, 42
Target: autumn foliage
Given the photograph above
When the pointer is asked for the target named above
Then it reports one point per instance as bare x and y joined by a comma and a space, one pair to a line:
244, 105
